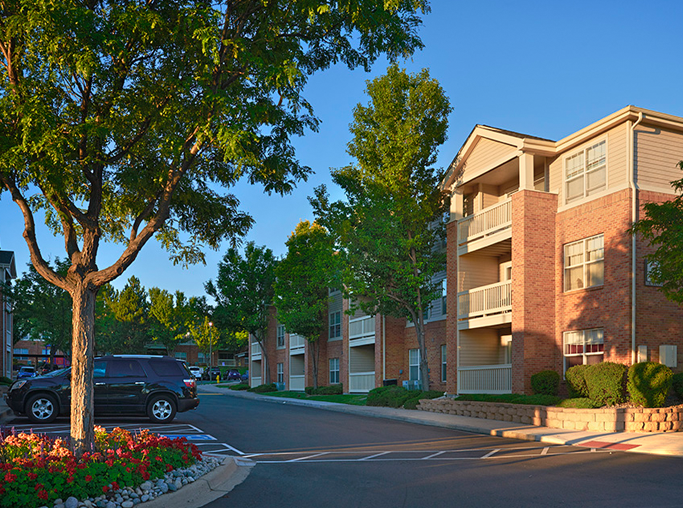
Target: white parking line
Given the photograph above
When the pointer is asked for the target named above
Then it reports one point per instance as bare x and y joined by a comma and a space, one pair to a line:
492, 452
373, 456
309, 457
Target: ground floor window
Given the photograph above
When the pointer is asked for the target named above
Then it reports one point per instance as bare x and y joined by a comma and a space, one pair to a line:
443, 363
180, 355
414, 364
334, 371
280, 373
583, 347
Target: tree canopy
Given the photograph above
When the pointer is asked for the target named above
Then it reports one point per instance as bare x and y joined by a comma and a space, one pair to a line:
390, 229
304, 278
125, 120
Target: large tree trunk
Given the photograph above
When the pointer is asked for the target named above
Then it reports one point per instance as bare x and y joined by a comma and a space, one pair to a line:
424, 363
316, 357
82, 407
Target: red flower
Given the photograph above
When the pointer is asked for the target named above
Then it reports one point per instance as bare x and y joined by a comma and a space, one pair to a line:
39, 486
88, 478
9, 477
145, 475
115, 485
69, 479
158, 458
105, 489
82, 466
169, 468
32, 476
42, 494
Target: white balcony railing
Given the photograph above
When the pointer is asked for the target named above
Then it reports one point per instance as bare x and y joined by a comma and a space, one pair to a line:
485, 300
485, 379
361, 381
255, 350
297, 383
485, 222
362, 328
255, 381
297, 344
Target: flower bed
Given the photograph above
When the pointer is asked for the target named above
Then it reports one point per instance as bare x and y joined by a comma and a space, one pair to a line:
36, 470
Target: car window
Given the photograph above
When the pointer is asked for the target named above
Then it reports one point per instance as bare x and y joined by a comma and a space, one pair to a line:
99, 369
125, 368
167, 368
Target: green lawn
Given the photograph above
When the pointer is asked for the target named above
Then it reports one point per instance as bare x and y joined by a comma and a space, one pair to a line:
355, 400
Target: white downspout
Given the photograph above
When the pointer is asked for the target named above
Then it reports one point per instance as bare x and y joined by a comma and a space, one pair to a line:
384, 347
634, 218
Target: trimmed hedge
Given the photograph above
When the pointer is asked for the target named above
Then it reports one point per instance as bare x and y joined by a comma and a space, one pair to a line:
388, 396
337, 389
606, 383
265, 388
412, 402
576, 381
240, 386
677, 384
511, 398
546, 382
649, 383
577, 403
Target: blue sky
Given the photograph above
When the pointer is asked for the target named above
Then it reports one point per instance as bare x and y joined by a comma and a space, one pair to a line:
544, 68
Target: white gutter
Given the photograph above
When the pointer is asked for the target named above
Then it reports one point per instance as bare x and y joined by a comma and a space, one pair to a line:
634, 218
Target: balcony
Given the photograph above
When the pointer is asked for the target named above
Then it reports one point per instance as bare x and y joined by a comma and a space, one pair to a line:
485, 379
255, 381
297, 383
362, 331
297, 344
484, 228
361, 382
485, 305
255, 351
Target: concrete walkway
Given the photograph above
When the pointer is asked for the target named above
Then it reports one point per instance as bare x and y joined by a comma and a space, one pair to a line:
669, 443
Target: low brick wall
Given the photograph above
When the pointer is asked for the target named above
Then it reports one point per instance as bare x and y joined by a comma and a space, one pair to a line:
668, 419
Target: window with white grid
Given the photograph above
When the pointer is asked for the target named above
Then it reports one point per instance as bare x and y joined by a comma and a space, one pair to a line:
414, 364
335, 325
334, 371
280, 373
280, 336
583, 347
443, 363
585, 172
584, 263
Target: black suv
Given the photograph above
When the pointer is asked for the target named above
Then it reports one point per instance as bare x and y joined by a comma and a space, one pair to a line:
158, 386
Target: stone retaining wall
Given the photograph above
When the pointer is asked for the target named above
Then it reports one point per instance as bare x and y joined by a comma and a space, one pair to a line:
668, 419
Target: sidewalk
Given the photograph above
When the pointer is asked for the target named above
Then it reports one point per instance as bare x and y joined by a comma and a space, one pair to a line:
670, 443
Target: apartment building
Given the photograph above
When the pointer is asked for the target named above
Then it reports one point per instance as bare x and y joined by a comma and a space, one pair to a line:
8, 271
547, 274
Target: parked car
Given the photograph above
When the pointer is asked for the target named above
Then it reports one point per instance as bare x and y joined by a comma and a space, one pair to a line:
234, 375
196, 371
211, 374
156, 386
26, 371
245, 376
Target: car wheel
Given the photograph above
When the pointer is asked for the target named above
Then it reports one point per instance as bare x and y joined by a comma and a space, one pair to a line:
42, 408
161, 409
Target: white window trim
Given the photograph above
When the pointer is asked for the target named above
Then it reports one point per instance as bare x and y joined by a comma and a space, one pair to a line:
330, 325
649, 264
335, 370
585, 196
584, 264
277, 337
583, 354
410, 365
280, 372
444, 363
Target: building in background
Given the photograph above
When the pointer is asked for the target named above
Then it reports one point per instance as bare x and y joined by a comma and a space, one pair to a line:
8, 271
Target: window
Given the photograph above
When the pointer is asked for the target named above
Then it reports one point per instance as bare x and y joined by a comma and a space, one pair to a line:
586, 172
584, 263
583, 347
165, 368
444, 294
280, 373
414, 364
443, 363
335, 325
180, 355
651, 273
99, 369
202, 357
125, 368
19, 353
334, 371
280, 336
467, 205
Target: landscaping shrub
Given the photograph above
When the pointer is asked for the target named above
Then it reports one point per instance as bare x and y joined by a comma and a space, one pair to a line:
512, 398
337, 389
5, 380
309, 390
240, 386
412, 402
576, 381
677, 384
577, 403
389, 396
546, 382
649, 383
265, 388
606, 383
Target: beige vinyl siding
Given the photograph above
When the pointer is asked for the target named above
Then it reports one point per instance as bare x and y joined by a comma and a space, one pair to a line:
297, 367
658, 153
336, 302
486, 152
436, 308
476, 270
479, 347
617, 164
362, 359
489, 195
358, 312
507, 187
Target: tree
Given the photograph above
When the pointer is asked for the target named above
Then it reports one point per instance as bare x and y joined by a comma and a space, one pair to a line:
662, 227
304, 278
244, 292
122, 120
41, 311
127, 315
206, 336
390, 229
170, 318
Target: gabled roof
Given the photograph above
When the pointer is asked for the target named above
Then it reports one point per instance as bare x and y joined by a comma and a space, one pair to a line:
7, 262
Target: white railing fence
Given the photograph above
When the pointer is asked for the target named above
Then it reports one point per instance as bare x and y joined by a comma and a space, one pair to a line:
361, 327
297, 383
296, 342
255, 349
485, 379
361, 381
485, 222
255, 381
484, 300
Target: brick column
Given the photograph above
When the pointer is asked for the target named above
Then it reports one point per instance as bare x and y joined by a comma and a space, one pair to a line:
533, 286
